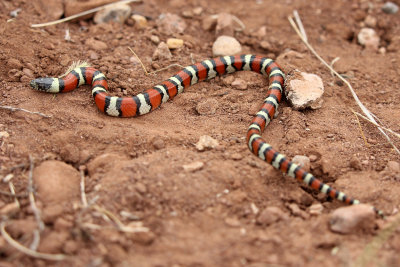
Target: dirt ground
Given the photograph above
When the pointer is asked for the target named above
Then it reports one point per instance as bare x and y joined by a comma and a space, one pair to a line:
134, 168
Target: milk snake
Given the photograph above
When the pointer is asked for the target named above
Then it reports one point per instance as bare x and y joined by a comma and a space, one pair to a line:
151, 99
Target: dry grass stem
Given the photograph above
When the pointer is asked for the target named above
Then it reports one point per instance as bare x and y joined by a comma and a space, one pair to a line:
82, 186
12, 189
361, 105
153, 72
25, 110
87, 12
374, 123
27, 251
34, 208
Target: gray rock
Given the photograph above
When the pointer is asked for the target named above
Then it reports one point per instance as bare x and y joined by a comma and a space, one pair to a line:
390, 8
117, 13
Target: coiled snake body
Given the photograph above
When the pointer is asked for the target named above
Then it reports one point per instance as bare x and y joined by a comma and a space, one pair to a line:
152, 98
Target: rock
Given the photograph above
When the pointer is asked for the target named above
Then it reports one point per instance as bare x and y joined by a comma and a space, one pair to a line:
14, 63
70, 153
104, 161
197, 10
158, 143
233, 222
170, 24
143, 238
194, 166
22, 227
9, 209
236, 156
28, 72
355, 163
207, 107
226, 46
368, 38
304, 90
118, 12
162, 52
239, 84
390, 8
206, 142
303, 161
56, 182
51, 212
174, 43
96, 44
393, 166
53, 242
353, 218
155, 39
271, 215
370, 21
209, 23
73, 7
296, 211
316, 209
224, 25
51, 10
140, 21
93, 55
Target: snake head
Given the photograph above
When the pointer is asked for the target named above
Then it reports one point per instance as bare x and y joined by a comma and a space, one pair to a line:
42, 84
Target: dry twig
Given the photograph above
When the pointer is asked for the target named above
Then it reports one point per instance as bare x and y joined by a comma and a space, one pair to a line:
34, 208
25, 110
27, 251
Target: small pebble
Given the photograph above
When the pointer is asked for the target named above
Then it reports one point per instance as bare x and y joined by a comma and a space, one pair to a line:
226, 46
194, 166
197, 10
390, 8
140, 21
93, 55
96, 44
316, 209
303, 161
158, 144
206, 142
393, 166
117, 12
270, 215
236, 156
355, 163
155, 39
368, 38
233, 222
174, 43
304, 90
350, 219
239, 84
370, 21
162, 52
